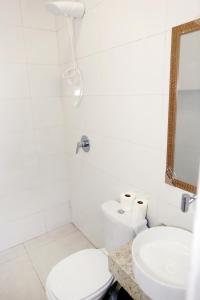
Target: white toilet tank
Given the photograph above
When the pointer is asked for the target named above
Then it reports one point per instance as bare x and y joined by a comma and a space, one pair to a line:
117, 226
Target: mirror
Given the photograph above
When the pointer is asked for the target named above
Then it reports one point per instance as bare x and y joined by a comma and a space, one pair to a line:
183, 153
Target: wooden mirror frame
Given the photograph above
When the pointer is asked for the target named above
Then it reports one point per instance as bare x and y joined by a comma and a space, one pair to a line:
177, 32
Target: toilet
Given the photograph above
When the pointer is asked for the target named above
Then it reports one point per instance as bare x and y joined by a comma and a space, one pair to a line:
85, 274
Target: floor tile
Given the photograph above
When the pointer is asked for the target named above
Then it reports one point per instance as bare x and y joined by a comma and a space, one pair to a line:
11, 254
18, 281
47, 255
50, 237
24, 268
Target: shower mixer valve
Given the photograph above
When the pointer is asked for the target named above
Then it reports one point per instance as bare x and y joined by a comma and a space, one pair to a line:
84, 144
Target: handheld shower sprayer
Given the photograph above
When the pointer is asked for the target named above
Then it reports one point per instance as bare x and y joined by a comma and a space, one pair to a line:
72, 75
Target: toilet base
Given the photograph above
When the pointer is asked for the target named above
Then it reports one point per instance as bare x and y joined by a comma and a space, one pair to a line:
100, 296
116, 292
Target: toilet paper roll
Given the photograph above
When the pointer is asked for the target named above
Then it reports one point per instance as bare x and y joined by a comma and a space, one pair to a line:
139, 210
127, 200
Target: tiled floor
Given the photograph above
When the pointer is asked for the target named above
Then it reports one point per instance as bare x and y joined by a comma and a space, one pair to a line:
24, 268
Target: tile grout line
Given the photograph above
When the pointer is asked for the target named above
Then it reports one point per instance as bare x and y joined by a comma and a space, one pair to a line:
31, 261
120, 45
32, 264
28, 27
83, 234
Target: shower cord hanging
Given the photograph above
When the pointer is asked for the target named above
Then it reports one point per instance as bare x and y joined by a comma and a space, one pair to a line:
73, 74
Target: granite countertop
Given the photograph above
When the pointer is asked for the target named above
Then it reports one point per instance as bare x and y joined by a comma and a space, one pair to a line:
120, 265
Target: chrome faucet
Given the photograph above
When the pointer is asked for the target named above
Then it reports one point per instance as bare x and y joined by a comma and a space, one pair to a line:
186, 201
84, 144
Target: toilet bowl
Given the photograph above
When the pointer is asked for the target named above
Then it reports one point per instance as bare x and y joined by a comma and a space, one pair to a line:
85, 274
81, 276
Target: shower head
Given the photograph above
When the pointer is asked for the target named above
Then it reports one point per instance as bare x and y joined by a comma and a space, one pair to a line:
66, 8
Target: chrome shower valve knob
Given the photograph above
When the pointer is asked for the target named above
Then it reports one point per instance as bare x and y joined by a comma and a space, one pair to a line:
84, 144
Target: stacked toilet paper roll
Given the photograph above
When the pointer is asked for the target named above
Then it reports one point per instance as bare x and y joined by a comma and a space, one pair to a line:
139, 210
136, 208
138, 216
127, 201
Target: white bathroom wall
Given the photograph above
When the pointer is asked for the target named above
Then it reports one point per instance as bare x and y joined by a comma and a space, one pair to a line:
124, 54
33, 192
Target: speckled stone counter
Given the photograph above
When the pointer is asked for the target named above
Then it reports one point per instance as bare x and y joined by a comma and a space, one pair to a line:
120, 265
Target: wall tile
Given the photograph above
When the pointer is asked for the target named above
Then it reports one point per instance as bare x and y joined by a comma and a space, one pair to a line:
74, 167
44, 81
60, 22
177, 13
10, 12
127, 122
17, 148
14, 81
12, 44
20, 205
57, 216
135, 162
19, 174
91, 3
74, 116
64, 46
15, 116
14, 233
54, 194
32, 154
47, 112
126, 70
50, 140
125, 65
52, 168
95, 187
41, 46
124, 22
35, 15
173, 216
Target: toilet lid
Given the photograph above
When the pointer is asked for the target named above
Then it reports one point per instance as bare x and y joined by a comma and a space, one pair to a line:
80, 275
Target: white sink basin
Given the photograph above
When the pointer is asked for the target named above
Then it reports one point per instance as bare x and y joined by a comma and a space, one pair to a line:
161, 262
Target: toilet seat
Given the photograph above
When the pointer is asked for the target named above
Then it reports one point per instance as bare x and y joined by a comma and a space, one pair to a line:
81, 276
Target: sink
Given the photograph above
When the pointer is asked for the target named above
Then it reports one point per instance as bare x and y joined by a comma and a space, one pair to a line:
161, 261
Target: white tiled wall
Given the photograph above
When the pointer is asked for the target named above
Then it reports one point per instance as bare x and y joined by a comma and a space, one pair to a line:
33, 174
124, 54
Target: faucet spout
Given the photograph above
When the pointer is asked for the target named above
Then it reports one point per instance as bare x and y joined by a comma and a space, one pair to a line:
186, 201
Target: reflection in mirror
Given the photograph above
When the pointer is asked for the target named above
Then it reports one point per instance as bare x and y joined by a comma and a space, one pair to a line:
187, 139
184, 110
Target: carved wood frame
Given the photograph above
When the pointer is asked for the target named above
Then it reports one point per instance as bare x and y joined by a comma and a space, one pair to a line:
175, 56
